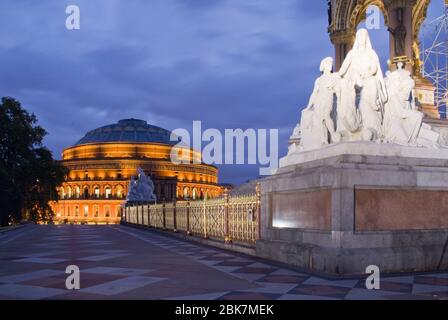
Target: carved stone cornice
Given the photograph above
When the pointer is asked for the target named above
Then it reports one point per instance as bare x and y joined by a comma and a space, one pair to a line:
343, 37
154, 166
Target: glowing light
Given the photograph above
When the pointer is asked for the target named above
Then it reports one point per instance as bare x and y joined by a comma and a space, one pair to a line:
282, 224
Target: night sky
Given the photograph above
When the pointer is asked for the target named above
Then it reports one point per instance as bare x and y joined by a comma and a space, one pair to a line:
230, 63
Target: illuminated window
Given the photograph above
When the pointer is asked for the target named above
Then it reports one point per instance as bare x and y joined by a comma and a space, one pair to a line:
62, 193
69, 192
76, 211
186, 193
77, 192
108, 192
119, 191
97, 192
118, 211
86, 211
95, 211
107, 211
194, 193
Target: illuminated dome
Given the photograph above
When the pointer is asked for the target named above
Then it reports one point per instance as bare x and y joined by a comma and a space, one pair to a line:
101, 165
127, 130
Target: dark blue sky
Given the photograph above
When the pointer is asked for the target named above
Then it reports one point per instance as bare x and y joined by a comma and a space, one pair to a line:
230, 63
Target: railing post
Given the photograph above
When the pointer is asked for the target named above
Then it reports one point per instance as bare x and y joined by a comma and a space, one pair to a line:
164, 216
136, 213
174, 217
149, 215
143, 215
258, 192
227, 237
188, 218
204, 214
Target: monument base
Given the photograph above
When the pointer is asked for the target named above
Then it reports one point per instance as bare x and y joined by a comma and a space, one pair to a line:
344, 207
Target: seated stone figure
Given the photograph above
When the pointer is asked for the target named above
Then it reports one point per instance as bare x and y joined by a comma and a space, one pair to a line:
142, 189
363, 92
403, 123
317, 127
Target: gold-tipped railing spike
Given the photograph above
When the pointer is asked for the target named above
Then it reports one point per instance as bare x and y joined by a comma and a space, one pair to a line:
231, 218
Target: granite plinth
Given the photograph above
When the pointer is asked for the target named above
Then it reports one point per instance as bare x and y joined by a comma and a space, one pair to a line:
351, 205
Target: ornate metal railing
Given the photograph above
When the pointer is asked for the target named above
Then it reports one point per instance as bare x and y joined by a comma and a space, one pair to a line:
230, 218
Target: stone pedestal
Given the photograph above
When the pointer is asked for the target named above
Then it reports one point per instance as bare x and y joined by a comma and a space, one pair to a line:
346, 206
441, 127
425, 94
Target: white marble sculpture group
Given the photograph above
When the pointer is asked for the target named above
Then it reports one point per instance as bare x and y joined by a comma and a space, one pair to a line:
359, 104
141, 189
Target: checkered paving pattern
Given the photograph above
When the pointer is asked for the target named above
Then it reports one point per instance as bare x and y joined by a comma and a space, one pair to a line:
279, 283
118, 262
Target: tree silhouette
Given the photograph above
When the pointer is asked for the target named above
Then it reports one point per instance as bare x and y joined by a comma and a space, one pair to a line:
29, 175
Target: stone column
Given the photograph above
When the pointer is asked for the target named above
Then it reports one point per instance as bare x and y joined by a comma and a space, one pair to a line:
343, 42
400, 26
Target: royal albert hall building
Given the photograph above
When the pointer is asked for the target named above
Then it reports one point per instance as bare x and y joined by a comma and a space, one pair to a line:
102, 163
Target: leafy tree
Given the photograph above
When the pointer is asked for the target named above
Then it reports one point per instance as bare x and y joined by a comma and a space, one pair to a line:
29, 175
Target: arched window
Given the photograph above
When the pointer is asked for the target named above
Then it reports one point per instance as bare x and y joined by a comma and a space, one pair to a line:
62, 193
97, 192
119, 192
86, 211
95, 211
186, 193
69, 192
77, 192
194, 194
107, 192
86, 192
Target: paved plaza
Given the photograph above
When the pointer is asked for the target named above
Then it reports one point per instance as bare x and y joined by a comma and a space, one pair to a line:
119, 262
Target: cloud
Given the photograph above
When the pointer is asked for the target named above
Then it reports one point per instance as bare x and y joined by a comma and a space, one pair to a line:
231, 64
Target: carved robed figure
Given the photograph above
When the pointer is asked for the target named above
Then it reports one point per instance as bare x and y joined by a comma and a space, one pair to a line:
403, 123
363, 90
363, 104
317, 125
